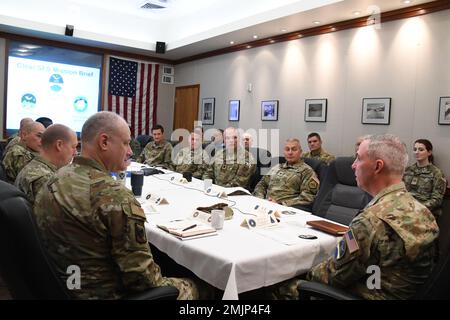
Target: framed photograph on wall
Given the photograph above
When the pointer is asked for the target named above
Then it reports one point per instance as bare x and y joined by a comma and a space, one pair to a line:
376, 110
316, 110
444, 110
234, 110
208, 110
269, 110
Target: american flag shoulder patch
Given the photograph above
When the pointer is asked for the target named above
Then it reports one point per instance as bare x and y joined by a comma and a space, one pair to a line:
352, 244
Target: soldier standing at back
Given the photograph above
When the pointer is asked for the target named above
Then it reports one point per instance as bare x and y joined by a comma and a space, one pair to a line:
59, 146
157, 152
424, 180
315, 149
22, 153
394, 233
291, 183
90, 220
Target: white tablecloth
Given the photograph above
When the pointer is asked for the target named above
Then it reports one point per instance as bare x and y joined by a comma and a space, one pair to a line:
237, 259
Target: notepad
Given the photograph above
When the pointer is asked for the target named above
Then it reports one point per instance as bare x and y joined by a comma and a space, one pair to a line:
328, 227
196, 224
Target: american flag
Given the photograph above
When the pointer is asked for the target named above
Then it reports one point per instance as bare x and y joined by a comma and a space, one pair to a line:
133, 93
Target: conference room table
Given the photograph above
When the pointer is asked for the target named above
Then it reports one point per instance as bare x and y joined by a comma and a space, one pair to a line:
237, 259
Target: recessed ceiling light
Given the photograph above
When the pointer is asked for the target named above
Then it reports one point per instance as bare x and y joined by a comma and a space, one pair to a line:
231, 42
255, 36
316, 22
406, 1
283, 30
356, 13
248, 47
271, 41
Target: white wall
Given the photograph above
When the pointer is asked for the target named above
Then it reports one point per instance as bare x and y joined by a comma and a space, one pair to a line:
407, 60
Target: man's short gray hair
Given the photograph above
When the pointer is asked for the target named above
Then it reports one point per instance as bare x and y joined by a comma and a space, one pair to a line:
56, 132
391, 150
101, 122
293, 140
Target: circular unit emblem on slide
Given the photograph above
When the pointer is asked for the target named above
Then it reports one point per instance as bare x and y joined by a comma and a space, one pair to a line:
56, 82
80, 104
28, 101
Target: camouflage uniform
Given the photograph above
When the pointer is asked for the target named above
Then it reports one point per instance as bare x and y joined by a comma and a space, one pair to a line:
322, 155
136, 147
16, 159
426, 184
231, 169
295, 184
12, 141
394, 232
88, 219
193, 161
154, 154
33, 176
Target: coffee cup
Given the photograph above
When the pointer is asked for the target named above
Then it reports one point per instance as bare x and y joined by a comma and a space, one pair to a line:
137, 181
217, 219
207, 183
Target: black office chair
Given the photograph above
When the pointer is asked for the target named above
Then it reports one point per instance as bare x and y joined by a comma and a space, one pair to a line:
437, 286
319, 167
3, 176
24, 265
263, 160
143, 139
339, 198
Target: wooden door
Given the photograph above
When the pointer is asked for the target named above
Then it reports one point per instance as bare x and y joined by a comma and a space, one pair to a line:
186, 107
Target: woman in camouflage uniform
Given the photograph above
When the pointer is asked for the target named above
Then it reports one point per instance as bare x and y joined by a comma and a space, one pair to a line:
424, 180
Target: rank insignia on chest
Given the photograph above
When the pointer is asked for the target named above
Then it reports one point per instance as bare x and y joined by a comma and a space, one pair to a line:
414, 181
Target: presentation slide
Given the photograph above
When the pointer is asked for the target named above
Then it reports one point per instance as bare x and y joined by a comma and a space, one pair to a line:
67, 94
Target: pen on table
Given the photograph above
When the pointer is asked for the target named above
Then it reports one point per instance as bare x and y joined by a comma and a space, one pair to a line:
190, 227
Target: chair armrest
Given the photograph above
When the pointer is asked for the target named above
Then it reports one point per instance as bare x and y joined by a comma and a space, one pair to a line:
320, 290
156, 293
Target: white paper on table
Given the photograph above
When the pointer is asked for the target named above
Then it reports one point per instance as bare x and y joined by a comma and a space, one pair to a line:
283, 233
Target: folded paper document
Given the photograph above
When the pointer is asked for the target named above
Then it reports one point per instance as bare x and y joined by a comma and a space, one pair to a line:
328, 227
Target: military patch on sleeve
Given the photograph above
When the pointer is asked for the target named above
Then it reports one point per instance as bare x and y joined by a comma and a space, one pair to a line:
351, 242
139, 230
313, 183
339, 252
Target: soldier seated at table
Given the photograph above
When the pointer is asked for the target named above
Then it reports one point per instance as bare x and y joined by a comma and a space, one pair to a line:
15, 138
315, 149
233, 166
157, 152
424, 180
59, 146
88, 219
291, 183
23, 152
395, 234
193, 158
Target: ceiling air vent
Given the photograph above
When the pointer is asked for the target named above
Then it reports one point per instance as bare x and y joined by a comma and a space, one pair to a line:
161, 4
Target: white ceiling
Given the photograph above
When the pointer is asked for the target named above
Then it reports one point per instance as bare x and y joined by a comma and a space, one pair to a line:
188, 27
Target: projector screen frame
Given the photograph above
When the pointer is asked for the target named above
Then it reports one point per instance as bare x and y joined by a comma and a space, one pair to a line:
59, 47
